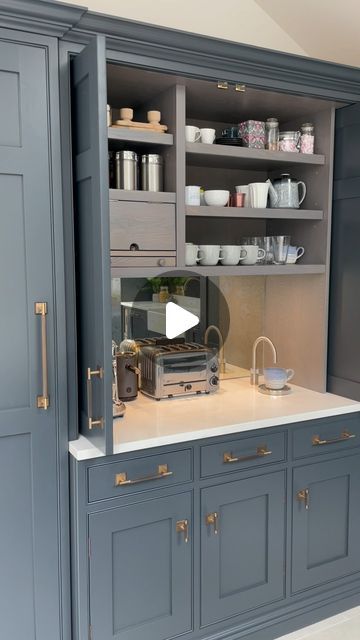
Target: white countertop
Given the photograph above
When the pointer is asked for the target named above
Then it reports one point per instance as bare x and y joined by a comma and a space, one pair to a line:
236, 407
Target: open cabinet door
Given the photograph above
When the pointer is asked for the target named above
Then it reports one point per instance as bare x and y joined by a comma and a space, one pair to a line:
92, 244
344, 318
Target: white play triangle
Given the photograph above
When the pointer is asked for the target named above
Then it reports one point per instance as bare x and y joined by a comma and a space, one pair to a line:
178, 320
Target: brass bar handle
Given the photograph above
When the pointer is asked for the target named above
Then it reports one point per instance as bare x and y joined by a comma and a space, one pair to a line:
43, 401
121, 479
91, 373
261, 452
211, 519
182, 526
304, 496
344, 436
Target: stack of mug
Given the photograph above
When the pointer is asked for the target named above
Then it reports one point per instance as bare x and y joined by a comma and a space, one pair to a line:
254, 250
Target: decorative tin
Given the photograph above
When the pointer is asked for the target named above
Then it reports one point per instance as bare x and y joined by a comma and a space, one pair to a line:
253, 134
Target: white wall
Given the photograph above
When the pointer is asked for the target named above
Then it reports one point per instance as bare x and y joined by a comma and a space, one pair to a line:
237, 20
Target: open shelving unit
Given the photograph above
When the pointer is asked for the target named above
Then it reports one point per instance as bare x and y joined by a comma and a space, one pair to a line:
242, 212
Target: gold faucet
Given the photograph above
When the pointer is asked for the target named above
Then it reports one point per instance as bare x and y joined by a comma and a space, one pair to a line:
222, 363
254, 372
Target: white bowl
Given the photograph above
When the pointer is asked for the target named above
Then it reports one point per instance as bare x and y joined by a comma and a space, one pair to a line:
217, 198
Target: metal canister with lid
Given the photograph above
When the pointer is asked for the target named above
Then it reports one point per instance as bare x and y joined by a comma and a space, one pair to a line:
152, 172
126, 170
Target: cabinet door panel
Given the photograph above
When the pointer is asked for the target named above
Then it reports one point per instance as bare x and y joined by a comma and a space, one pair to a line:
326, 535
93, 239
140, 571
243, 564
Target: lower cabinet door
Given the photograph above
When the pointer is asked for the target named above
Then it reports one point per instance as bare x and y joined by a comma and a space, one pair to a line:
326, 522
140, 570
242, 546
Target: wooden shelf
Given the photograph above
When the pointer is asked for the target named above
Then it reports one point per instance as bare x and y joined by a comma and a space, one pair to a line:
142, 196
220, 270
239, 212
122, 134
217, 155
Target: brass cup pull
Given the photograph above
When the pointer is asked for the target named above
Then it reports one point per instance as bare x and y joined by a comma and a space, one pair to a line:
43, 401
304, 496
121, 479
93, 422
344, 436
182, 526
261, 452
211, 519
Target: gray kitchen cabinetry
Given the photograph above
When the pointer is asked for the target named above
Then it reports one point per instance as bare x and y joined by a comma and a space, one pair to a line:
33, 441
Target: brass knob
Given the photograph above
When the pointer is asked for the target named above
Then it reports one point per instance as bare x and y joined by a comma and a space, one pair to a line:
211, 519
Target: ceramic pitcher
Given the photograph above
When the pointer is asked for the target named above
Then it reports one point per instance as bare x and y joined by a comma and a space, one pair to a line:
284, 192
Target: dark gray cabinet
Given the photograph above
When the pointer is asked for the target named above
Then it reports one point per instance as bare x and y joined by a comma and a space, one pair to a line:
242, 546
140, 570
326, 522
30, 587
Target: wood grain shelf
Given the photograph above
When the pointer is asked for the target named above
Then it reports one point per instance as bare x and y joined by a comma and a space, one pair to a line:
216, 155
121, 134
142, 196
219, 270
239, 212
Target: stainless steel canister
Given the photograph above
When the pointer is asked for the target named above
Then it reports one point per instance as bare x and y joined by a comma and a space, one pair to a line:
126, 170
152, 172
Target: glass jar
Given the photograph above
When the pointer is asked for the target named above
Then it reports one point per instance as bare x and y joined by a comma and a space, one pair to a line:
307, 138
164, 294
289, 141
272, 134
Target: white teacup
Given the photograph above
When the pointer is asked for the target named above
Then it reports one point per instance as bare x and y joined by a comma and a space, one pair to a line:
207, 136
253, 253
231, 254
258, 194
276, 377
192, 196
294, 253
209, 254
192, 134
244, 188
191, 254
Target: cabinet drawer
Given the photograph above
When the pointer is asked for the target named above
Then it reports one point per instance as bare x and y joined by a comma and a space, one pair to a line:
142, 259
149, 226
141, 474
326, 436
242, 453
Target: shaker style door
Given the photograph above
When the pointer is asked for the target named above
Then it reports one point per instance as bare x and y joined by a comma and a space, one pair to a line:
89, 132
326, 522
140, 570
242, 546
29, 540
344, 309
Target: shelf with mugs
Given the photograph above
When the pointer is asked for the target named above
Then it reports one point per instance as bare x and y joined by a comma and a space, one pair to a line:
230, 157
206, 211
221, 270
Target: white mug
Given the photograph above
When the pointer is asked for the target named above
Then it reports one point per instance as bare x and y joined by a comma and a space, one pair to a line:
209, 254
192, 196
253, 253
191, 254
231, 254
244, 188
258, 194
294, 253
192, 134
276, 377
207, 135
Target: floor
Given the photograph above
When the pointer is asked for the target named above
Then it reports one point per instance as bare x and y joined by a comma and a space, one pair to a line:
345, 626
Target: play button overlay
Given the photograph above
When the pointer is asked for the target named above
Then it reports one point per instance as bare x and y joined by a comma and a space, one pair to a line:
178, 320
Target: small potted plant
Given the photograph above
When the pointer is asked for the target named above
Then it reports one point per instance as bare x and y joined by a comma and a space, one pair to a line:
155, 284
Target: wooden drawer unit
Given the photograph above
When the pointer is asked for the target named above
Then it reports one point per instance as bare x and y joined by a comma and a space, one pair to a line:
242, 453
142, 259
148, 226
131, 476
326, 436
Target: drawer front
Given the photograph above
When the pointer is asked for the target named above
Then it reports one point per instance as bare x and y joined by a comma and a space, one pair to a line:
242, 453
142, 259
326, 436
151, 227
141, 474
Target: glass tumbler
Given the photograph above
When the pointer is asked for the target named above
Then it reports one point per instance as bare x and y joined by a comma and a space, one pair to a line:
280, 248
267, 245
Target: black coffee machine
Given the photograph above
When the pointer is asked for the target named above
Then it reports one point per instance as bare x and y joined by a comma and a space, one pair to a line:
127, 375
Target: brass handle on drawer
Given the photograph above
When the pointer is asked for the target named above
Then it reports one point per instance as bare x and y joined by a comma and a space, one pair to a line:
212, 519
345, 435
43, 401
261, 452
162, 472
93, 422
182, 526
304, 496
